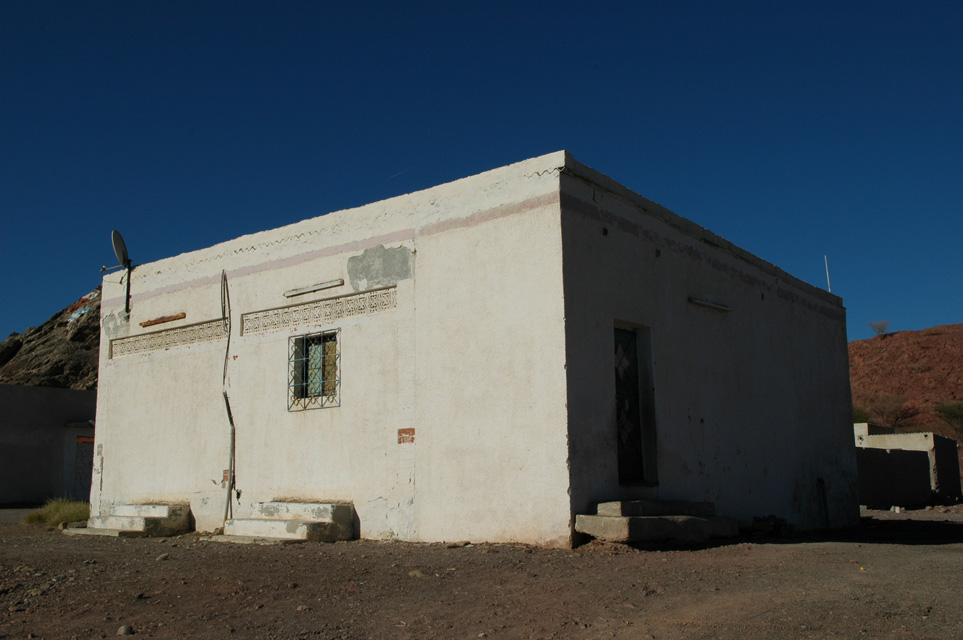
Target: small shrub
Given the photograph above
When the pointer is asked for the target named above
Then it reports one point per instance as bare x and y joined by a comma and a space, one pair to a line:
879, 327
891, 410
57, 511
951, 414
860, 415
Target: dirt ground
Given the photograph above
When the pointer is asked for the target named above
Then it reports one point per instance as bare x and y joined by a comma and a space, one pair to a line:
896, 576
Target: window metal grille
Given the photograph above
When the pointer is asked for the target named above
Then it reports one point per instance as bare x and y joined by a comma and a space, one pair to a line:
314, 365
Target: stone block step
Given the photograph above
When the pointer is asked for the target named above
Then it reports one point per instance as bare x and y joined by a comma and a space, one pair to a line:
340, 512
149, 510
656, 508
124, 523
675, 528
115, 533
283, 529
251, 540
144, 519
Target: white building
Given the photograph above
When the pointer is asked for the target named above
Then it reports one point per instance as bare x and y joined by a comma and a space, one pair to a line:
444, 361
905, 469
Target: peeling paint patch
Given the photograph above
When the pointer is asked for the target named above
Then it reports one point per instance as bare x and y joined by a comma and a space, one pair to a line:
116, 325
380, 267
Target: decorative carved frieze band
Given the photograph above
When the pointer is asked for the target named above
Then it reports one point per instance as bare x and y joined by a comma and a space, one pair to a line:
319, 312
312, 313
146, 342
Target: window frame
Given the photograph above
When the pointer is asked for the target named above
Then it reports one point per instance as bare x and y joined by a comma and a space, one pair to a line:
314, 370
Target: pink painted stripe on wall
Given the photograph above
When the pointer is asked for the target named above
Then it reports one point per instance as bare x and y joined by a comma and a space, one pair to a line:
477, 218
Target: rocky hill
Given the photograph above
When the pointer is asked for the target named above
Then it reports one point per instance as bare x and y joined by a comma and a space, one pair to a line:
900, 379
62, 352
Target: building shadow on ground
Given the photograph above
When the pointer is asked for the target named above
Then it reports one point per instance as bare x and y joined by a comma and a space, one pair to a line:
870, 530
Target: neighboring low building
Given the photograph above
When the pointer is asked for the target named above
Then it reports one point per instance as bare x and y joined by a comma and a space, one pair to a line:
46, 443
905, 469
482, 361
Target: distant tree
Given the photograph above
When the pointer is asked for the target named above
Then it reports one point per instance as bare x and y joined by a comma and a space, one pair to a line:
879, 327
951, 414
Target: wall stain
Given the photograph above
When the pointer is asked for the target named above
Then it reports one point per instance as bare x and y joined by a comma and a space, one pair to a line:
380, 267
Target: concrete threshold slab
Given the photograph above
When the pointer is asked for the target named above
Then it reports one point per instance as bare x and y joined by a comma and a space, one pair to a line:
293, 529
113, 533
251, 540
686, 529
631, 508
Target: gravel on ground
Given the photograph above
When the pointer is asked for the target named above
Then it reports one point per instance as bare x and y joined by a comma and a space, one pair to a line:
896, 576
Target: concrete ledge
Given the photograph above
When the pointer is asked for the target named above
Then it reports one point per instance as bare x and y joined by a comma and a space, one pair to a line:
147, 519
132, 523
251, 540
174, 511
656, 508
283, 529
687, 529
339, 514
113, 533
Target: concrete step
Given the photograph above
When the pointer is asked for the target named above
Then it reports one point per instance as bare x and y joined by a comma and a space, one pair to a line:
174, 511
143, 519
116, 533
656, 508
260, 528
320, 521
123, 523
674, 528
340, 514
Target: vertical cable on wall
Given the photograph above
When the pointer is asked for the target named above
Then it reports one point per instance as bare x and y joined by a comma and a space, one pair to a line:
226, 320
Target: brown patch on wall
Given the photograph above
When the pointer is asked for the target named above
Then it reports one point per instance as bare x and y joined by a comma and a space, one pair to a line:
163, 319
406, 436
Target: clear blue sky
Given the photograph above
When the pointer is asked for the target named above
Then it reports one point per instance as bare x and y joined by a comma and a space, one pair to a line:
795, 129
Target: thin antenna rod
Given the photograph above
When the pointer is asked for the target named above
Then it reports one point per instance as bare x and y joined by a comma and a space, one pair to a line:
828, 286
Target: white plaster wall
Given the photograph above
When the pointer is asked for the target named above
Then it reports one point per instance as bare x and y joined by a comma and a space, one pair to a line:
166, 432
345, 453
752, 405
905, 441
492, 458
472, 359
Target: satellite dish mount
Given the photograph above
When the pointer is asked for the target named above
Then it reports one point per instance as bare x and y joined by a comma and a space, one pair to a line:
123, 262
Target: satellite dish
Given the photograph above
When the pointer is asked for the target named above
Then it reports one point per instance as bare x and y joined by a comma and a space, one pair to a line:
120, 249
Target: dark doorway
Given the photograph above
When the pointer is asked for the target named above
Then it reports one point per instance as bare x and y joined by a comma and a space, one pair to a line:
83, 466
628, 413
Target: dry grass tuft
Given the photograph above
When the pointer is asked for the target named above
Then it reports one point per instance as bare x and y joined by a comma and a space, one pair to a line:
57, 511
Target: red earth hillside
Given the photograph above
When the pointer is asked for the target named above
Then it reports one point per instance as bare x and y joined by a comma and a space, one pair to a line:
898, 378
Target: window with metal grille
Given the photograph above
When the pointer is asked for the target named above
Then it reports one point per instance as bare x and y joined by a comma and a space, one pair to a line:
314, 364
